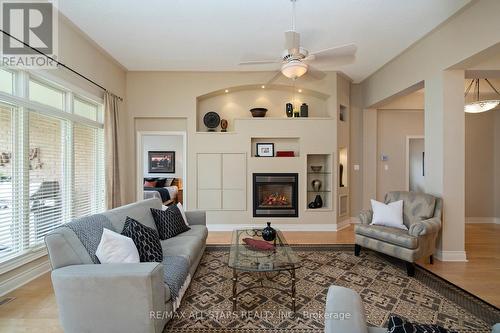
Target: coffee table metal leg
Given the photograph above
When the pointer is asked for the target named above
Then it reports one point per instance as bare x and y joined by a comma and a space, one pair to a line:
292, 272
235, 280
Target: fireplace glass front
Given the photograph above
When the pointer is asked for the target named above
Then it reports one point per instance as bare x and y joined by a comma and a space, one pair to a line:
275, 195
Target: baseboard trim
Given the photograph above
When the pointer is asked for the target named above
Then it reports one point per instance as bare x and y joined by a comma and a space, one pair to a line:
473, 220
23, 277
283, 227
451, 256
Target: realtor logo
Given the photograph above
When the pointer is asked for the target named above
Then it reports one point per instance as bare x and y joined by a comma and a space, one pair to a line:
34, 23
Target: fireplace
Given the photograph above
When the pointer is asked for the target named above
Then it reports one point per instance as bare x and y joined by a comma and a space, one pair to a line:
275, 195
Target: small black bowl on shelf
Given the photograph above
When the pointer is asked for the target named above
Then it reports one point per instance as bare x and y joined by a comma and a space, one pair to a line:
258, 112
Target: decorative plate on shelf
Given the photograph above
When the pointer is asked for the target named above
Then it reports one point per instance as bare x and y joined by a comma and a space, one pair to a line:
211, 120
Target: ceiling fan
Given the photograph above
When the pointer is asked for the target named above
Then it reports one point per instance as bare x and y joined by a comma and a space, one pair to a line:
295, 60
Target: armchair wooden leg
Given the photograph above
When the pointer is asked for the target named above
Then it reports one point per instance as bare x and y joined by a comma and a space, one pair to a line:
357, 250
431, 259
410, 268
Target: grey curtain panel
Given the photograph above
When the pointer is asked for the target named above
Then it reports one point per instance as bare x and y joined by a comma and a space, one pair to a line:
111, 138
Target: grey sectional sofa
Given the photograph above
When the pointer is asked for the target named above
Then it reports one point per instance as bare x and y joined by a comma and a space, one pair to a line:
118, 297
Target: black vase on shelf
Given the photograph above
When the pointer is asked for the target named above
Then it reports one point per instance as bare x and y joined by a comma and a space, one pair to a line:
318, 202
268, 233
341, 174
289, 110
304, 110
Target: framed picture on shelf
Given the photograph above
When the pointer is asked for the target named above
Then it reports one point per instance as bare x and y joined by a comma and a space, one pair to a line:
161, 161
265, 150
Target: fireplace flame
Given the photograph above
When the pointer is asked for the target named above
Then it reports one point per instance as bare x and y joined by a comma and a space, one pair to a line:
275, 199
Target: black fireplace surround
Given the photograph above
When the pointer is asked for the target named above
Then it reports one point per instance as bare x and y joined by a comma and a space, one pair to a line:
275, 195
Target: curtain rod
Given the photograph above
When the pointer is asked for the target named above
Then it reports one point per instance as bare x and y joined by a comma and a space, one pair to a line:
62, 65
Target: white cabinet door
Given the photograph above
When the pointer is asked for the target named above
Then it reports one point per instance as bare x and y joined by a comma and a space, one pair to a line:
234, 199
209, 199
209, 171
234, 171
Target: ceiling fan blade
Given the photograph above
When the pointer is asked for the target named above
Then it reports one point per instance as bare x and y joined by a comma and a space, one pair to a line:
348, 50
292, 41
260, 62
274, 77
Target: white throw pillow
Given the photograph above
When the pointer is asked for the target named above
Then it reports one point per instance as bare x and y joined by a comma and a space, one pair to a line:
390, 215
115, 249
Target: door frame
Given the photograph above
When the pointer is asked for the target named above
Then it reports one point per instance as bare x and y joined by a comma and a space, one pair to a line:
407, 163
140, 162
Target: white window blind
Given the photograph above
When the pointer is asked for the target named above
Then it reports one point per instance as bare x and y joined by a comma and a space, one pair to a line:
46, 175
88, 185
9, 232
51, 164
6, 81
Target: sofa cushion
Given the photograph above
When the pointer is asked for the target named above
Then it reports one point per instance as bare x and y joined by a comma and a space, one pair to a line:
199, 231
145, 239
185, 246
416, 206
169, 222
387, 234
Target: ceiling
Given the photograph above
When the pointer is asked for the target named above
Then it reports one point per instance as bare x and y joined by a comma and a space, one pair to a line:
195, 35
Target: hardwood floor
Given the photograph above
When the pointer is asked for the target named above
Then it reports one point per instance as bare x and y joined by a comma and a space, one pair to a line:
34, 308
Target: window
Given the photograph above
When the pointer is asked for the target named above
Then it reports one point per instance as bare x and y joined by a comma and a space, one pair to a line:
51, 165
45, 94
85, 109
6, 81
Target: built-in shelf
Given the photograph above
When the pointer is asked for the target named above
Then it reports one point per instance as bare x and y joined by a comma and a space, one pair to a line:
319, 182
279, 143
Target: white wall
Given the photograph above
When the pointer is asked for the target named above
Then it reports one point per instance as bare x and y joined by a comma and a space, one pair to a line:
164, 143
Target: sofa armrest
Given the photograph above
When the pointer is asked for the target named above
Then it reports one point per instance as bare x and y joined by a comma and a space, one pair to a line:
344, 312
425, 227
366, 216
110, 297
196, 217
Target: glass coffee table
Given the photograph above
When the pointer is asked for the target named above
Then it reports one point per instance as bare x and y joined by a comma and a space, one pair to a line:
265, 264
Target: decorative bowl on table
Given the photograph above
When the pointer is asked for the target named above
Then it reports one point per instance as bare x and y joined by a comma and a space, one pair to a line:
258, 112
316, 168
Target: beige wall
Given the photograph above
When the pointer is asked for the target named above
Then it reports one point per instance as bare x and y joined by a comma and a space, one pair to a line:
393, 126
480, 154
165, 95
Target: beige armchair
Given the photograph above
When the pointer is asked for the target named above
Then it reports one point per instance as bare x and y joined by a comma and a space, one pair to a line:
421, 215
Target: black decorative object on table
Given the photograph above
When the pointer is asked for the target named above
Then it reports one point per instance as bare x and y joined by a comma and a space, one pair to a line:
304, 110
268, 233
211, 121
258, 112
341, 174
289, 110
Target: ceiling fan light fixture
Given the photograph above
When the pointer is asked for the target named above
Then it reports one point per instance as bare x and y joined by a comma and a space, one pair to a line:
481, 106
294, 69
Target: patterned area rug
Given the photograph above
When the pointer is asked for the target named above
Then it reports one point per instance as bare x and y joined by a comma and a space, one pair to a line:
381, 281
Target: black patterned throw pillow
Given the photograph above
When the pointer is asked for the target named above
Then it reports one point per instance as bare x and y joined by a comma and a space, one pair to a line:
146, 240
169, 222
400, 325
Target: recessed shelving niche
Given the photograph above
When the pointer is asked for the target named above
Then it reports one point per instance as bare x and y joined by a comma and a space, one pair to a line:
280, 144
325, 177
237, 102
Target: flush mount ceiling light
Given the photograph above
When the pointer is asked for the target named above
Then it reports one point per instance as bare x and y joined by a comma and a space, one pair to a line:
480, 105
294, 69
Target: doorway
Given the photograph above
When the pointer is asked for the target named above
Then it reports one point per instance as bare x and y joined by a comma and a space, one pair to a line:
415, 163
161, 166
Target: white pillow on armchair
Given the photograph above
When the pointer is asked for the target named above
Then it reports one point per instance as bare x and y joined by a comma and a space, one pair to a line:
390, 215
